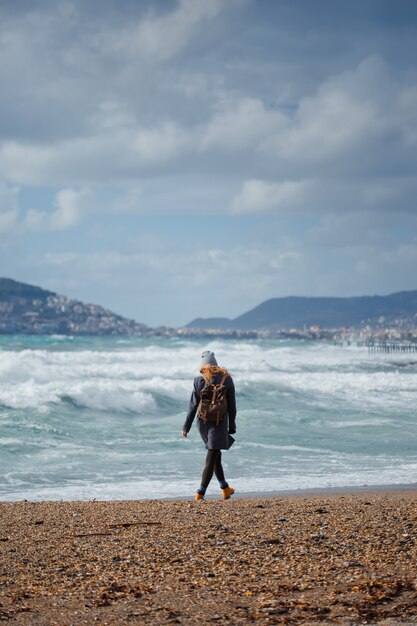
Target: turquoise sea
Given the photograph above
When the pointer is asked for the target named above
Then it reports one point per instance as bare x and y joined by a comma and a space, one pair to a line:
84, 418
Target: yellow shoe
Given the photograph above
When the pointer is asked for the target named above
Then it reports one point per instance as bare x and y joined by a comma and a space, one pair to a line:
227, 492
198, 496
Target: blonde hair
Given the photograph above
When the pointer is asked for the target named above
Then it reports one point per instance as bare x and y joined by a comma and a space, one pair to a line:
209, 371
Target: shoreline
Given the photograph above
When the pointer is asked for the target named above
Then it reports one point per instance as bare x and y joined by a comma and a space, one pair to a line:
311, 491
284, 493
330, 558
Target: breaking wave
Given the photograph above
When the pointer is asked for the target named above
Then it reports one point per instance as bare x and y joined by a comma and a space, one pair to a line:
84, 415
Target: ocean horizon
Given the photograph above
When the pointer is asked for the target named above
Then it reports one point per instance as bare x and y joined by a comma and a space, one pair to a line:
86, 418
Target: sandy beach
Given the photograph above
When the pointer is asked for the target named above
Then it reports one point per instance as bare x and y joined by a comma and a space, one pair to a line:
308, 559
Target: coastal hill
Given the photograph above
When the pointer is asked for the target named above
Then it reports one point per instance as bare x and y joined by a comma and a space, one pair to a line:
26, 309
30, 310
397, 309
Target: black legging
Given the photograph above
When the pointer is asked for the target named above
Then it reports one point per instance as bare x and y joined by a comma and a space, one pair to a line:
213, 464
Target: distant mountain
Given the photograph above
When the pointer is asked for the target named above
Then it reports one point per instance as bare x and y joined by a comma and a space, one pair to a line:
10, 289
26, 309
219, 323
297, 312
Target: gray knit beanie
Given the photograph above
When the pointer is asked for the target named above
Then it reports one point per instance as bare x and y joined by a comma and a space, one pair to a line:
208, 358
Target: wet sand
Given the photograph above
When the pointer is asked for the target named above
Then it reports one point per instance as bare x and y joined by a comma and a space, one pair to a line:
335, 558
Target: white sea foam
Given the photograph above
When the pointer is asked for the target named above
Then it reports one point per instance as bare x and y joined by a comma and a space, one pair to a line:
93, 419
102, 380
185, 488
284, 448
105, 379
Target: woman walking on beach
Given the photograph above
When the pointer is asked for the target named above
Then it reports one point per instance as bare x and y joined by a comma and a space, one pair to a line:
213, 397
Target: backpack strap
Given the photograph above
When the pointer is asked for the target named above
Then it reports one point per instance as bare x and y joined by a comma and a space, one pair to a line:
223, 379
215, 387
221, 384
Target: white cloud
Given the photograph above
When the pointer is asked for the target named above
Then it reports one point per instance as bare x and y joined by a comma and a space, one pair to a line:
157, 145
334, 119
327, 196
16, 159
9, 208
406, 111
117, 155
241, 124
368, 230
35, 219
175, 274
347, 117
129, 200
131, 278
387, 270
163, 36
70, 207
351, 130
196, 107
257, 196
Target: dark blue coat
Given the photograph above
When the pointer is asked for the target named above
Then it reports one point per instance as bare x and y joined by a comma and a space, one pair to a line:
215, 437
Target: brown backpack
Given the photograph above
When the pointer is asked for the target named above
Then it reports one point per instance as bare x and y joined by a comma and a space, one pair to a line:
213, 402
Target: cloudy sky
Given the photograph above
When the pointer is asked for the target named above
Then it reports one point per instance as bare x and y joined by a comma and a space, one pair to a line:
170, 159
